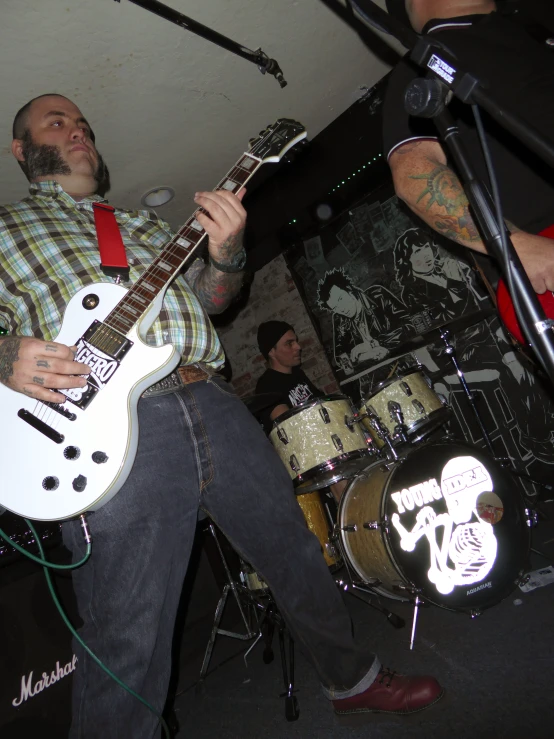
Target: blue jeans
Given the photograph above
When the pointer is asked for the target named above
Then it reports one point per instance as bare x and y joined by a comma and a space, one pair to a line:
199, 447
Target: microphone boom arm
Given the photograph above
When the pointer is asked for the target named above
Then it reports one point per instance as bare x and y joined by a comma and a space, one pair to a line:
258, 57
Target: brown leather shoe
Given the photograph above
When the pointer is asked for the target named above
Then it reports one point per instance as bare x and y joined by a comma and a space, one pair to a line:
392, 693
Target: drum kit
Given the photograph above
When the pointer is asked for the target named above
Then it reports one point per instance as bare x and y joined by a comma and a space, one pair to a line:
406, 511
422, 518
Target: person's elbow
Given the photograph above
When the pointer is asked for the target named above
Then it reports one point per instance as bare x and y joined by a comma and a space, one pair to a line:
403, 186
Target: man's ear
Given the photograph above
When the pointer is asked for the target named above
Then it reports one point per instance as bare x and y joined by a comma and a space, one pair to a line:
17, 150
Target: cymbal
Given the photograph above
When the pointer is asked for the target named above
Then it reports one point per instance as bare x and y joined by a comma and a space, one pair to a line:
261, 401
430, 336
461, 323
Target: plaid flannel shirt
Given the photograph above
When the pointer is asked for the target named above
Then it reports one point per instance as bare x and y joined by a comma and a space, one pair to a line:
49, 251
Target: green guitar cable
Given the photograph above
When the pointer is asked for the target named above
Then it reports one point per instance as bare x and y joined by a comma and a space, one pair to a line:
45, 566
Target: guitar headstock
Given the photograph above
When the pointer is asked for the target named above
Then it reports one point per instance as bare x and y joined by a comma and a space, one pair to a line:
275, 141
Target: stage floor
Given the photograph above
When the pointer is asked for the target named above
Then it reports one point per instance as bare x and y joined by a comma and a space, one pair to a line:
498, 672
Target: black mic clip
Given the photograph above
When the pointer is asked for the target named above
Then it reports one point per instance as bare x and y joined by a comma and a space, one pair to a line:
265, 64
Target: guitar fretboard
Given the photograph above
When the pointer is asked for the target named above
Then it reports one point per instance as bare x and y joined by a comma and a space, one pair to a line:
174, 255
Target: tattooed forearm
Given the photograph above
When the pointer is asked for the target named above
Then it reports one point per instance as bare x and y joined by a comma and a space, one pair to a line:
230, 247
216, 289
512, 228
9, 354
446, 204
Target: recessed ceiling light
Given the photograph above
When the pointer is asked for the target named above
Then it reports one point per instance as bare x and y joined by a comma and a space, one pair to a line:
324, 211
157, 196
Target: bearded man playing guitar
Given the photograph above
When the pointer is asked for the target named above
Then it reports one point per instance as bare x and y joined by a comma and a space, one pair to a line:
199, 447
519, 73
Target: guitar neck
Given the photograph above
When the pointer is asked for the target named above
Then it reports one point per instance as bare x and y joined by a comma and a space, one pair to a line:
174, 255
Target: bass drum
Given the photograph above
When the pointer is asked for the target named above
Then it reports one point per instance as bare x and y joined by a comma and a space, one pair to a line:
445, 522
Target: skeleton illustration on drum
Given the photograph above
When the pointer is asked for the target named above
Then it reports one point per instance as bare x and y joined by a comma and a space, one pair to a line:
469, 544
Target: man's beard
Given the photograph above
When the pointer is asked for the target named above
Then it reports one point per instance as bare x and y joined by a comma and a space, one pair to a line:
42, 160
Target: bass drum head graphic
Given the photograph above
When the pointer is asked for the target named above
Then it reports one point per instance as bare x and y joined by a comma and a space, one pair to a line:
457, 528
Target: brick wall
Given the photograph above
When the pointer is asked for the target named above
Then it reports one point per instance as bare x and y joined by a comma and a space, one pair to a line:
273, 296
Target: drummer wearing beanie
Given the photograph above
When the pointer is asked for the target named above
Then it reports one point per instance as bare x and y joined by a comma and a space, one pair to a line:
279, 345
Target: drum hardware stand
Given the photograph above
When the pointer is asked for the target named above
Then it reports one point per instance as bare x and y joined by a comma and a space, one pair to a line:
292, 712
414, 621
271, 617
230, 586
400, 430
382, 433
504, 461
418, 602
532, 516
451, 351
351, 586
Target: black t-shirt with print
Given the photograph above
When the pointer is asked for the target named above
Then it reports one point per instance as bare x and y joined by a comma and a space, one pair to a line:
519, 73
294, 388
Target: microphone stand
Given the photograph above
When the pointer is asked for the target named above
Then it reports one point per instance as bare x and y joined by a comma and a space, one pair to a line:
428, 98
258, 57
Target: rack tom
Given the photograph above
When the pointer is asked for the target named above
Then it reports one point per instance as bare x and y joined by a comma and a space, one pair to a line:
321, 442
406, 403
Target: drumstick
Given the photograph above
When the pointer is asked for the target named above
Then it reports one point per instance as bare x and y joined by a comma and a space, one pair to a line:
393, 370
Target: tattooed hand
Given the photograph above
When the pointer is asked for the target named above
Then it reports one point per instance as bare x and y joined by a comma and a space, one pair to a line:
32, 367
225, 227
223, 221
537, 257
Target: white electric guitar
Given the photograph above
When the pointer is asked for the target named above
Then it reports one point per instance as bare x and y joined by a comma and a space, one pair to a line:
60, 460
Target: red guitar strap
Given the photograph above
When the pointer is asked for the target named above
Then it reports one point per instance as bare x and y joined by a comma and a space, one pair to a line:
113, 259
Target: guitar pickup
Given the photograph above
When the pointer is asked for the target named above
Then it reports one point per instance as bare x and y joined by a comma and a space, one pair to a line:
39, 425
107, 340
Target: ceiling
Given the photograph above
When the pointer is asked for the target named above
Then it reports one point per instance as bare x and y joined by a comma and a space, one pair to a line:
168, 107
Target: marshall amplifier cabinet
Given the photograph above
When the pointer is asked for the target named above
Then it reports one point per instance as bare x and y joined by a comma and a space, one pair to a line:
16, 528
36, 654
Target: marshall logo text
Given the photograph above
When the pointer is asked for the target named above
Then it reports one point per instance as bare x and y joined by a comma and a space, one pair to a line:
29, 690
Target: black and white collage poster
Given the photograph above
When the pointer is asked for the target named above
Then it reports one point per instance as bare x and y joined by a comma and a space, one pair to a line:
380, 287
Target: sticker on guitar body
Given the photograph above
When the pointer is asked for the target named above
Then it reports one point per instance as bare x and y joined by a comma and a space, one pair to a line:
102, 366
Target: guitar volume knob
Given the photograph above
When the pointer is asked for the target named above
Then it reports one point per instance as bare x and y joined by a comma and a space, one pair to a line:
79, 483
72, 452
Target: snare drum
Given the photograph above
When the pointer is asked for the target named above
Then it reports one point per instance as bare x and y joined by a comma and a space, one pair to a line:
318, 523
321, 442
404, 399
444, 522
